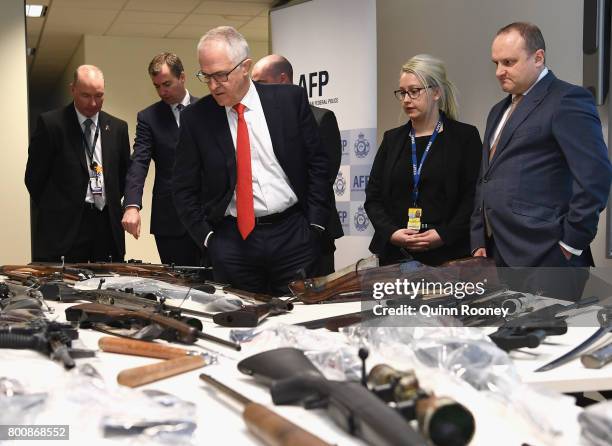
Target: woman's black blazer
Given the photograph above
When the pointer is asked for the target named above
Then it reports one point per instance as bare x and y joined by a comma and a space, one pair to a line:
448, 181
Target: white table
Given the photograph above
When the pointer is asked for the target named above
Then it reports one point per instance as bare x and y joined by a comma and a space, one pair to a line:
219, 422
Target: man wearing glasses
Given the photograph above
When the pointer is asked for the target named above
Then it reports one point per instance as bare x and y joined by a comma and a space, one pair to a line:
250, 178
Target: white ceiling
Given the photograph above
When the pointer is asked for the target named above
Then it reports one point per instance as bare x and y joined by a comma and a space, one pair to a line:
57, 35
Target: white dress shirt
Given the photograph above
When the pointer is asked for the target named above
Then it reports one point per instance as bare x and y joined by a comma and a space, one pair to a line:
97, 155
272, 192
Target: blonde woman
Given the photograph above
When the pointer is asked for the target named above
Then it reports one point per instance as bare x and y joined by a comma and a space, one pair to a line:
421, 189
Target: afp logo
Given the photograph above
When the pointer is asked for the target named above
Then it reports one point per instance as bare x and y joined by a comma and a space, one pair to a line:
315, 79
361, 219
340, 184
361, 146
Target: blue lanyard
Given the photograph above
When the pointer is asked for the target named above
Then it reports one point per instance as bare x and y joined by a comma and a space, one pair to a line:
416, 171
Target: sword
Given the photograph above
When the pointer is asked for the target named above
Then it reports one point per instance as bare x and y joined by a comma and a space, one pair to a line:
605, 319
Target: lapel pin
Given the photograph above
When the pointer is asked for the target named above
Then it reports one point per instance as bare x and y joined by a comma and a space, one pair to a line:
107, 128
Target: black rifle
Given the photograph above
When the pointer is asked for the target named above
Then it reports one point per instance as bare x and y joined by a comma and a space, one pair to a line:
47, 337
293, 379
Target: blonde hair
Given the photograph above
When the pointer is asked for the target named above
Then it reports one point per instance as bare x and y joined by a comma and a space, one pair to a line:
432, 72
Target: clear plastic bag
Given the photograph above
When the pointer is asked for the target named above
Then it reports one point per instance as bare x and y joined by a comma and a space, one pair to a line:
17, 406
596, 424
329, 353
118, 415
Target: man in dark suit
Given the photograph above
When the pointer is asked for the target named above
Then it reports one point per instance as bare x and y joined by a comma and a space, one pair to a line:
157, 132
264, 199
545, 173
77, 161
275, 69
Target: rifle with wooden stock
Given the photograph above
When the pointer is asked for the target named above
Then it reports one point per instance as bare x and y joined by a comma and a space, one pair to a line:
50, 281
357, 280
174, 330
268, 426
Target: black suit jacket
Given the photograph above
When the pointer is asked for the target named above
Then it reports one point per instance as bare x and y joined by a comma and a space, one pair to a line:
57, 178
206, 148
446, 191
331, 142
156, 138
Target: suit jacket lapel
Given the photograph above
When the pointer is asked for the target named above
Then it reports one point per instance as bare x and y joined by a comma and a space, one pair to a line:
75, 135
106, 141
523, 110
497, 113
274, 119
224, 138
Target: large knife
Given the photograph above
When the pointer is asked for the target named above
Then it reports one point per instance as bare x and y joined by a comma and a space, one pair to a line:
604, 316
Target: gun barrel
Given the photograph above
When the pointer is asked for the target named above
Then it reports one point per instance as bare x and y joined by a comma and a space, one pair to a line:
271, 428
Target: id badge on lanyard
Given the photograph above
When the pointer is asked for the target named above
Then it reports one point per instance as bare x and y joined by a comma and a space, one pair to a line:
96, 180
96, 173
415, 213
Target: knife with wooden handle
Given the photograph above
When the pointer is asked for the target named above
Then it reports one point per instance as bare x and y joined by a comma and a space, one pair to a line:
139, 376
135, 347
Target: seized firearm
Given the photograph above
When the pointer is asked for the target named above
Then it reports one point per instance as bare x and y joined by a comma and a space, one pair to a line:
514, 338
491, 295
246, 316
357, 280
252, 315
529, 328
61, 292
174, 330
271, 428
441, 420
47, 337
82, 271
47, 271
293, 379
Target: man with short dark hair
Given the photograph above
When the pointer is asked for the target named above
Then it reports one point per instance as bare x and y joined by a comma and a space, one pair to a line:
157, 132
264, 201
77, 161
545, 175
276, 69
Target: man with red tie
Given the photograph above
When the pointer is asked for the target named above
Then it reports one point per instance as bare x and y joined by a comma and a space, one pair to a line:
250, 178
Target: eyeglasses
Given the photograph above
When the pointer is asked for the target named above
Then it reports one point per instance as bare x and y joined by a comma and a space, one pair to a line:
413, 93
222, 76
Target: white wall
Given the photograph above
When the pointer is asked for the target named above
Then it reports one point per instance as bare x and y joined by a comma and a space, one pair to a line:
14, 198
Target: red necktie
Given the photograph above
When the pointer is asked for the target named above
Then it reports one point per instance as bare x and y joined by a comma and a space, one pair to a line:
244, 180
